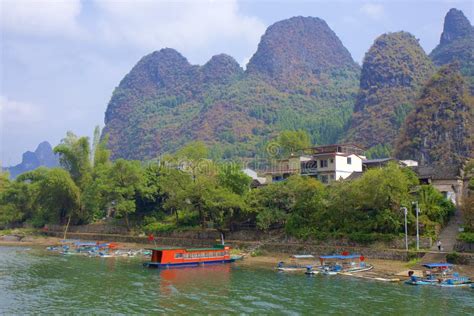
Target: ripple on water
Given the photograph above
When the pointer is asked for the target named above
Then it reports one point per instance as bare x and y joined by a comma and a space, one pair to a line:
40, 282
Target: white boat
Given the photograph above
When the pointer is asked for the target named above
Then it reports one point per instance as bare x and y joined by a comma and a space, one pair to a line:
335, 264
295, 264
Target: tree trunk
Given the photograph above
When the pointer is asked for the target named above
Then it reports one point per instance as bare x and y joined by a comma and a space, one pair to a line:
177, 217
67, 226
127, 222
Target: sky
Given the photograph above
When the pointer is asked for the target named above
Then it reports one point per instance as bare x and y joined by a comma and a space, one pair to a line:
60, 60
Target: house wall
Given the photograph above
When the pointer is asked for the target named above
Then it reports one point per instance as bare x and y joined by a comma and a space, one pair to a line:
343, 169
453, 189
294, 163
337, 167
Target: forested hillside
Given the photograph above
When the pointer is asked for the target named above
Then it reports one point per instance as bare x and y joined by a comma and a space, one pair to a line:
440, 128
457, 44
394, 69
301, 77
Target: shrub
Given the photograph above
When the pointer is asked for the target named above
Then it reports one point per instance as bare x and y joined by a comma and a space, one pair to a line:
466, 237
256, 253
413, 262
367, 238
159, 227
456, 258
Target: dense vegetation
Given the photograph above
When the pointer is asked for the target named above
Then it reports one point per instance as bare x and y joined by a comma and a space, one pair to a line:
188, 190
440, 128
301, 77
468, 205
394, 69
457, 44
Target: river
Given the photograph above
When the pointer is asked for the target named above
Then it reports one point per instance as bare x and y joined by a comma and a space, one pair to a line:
33, 280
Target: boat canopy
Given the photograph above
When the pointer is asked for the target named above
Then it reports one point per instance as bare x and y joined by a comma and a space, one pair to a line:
437, 265
340, 257
84, 244
302, 256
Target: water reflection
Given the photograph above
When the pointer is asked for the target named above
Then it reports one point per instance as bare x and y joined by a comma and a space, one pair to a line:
179, 279
38, 282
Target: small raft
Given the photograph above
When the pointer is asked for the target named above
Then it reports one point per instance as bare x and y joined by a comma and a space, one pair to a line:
440, 274
295, 264
336, 264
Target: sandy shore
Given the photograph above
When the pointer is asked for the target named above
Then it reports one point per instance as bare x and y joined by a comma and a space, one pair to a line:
382, 268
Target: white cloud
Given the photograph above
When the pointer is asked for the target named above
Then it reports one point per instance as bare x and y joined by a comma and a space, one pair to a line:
182, 25
374, 11
245, 61
15, 111
40, 17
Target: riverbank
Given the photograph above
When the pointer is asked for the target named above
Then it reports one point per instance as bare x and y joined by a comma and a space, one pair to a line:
390, 269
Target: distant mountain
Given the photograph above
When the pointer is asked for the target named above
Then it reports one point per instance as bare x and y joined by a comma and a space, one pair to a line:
393, 72
457, 44
42, 156
301, 53
301, 77
440, 130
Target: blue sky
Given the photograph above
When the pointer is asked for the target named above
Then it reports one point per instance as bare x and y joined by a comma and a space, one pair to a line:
60, 60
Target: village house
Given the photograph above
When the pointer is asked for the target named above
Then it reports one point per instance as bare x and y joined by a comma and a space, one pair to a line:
326, 163
346, 162
449, 180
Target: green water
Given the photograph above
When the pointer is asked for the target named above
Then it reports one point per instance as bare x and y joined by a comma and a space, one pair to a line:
35, 281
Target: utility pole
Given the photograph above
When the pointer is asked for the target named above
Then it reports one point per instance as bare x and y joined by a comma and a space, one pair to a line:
405, 211
417, 210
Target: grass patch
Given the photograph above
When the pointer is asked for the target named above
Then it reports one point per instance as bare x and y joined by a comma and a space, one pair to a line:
19, 231
257, 253
413, 262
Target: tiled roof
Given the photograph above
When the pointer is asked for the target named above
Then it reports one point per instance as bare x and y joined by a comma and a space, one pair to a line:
354, 175
376, 161
437, 172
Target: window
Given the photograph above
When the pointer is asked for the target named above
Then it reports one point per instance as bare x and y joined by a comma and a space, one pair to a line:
332, 160
324, 179
323, 163
349, 160
178, 256
331, 177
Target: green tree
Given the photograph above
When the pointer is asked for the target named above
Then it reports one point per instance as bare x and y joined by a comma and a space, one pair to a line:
150, 197
293, 141
220, 206
125, 179
434, 205
308, 206
230, 176
75, 157
56, 196
381, 193
176, 185
16, 201
271, 205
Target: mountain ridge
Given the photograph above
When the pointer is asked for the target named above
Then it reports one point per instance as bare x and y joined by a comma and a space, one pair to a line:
159, 106
394, 69
42, 156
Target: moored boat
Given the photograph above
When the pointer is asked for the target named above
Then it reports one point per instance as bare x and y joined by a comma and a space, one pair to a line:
439, 274
171, 257
296, 264
335, 264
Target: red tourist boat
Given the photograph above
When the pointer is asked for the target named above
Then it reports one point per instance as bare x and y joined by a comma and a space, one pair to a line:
170, 257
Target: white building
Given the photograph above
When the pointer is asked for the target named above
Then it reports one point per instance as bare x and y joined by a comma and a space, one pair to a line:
334, 162
326, 163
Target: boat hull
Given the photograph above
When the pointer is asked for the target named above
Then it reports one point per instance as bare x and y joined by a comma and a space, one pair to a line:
291, 269
355, 270
186, 264
442, 284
